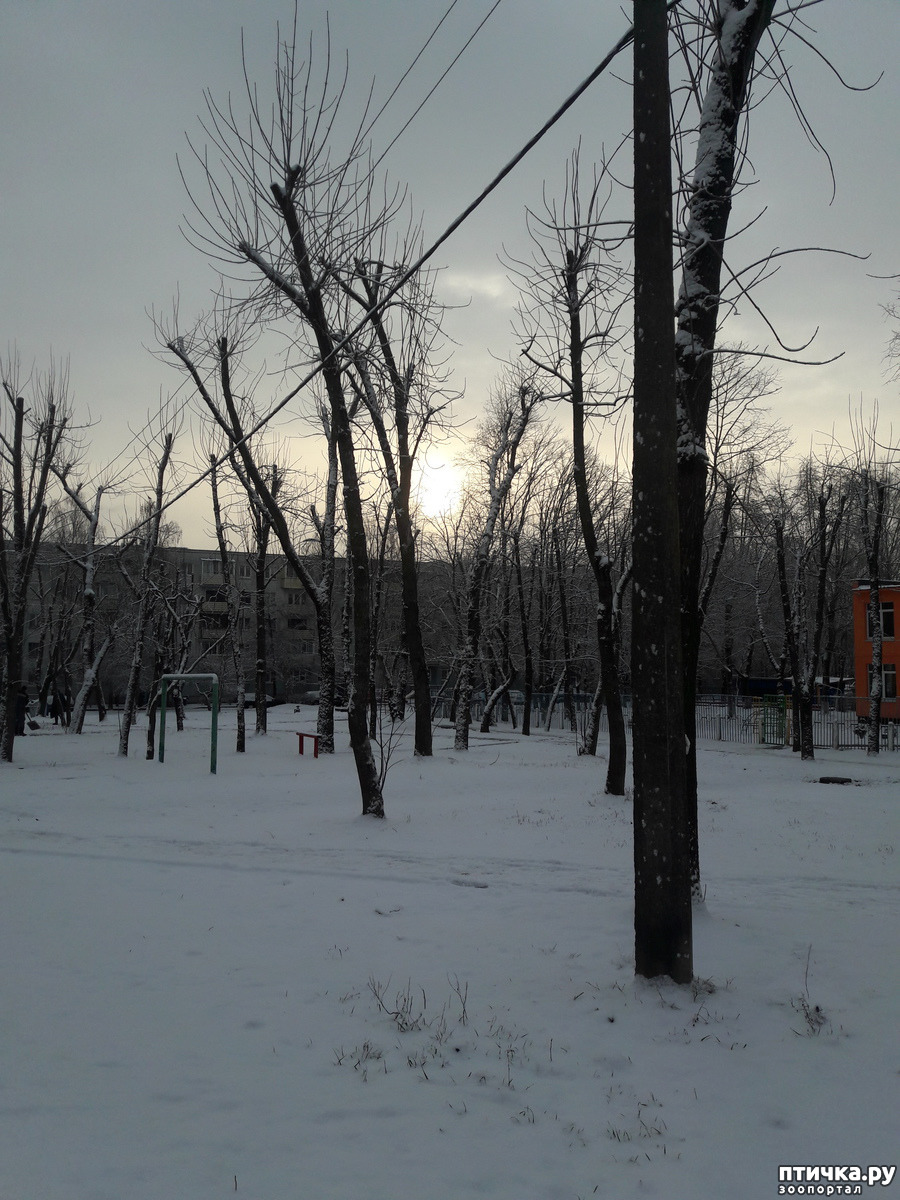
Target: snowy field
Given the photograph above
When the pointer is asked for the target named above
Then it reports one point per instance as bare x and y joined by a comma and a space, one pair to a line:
235, 986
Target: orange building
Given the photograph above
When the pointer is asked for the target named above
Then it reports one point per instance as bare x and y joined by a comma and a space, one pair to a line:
890, 647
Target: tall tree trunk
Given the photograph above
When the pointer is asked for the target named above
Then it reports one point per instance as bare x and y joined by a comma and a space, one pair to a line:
872, 503
232, 604
144, 597
376, 603
599, 562
876, 686
568, 706
662, 909
742, 24
262, 529
513, 430
357, 549
399, 474
524, 611
90, 681
608, 647
261, 637
592, 725
32, 461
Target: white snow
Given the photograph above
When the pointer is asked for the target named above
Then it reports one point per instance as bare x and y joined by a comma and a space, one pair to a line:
192, 966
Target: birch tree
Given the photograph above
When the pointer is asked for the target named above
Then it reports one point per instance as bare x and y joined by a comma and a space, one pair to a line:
720, 41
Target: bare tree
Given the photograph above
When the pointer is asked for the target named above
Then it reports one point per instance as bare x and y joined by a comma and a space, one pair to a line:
32, 440
177, 609
871, 519
213, 360
141, 590
570, 325
302, 215
231, 594
514, 413
719, 42
53, 592
805, 525
88, 558
397, 375
537, 488
258, 556
869, 478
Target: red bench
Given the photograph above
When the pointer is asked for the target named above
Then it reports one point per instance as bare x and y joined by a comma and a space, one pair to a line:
313, 737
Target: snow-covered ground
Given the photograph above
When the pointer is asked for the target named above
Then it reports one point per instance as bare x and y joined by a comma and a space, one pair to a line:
234, 985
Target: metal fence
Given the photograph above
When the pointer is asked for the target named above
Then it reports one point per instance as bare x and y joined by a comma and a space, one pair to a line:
546, 712
747, 720
768, 721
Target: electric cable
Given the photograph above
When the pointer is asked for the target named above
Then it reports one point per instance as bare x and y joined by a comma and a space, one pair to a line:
623, 42
438, 82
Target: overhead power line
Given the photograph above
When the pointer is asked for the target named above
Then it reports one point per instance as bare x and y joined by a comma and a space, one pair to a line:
440, 78
423, 258
149, 424
403, 77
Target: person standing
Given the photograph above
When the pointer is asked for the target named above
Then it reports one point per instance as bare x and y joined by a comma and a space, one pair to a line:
21, 711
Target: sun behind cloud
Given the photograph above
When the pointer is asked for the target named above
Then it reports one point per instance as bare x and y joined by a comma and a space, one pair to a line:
436, 486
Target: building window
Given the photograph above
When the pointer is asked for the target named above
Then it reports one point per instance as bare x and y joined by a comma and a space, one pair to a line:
887, 620
889, 672
210, 566
297, 623
888, 681
294, 599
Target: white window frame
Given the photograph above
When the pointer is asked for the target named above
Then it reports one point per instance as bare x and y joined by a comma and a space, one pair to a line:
887, 609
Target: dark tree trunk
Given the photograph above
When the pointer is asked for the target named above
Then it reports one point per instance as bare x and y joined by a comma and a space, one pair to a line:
262, 531
600, 563
144, 599
524, 633
400, 479
568, 706
261, 639
872, 502
662, 910
233, 603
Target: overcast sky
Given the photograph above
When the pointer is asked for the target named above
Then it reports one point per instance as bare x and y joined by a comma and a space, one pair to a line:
98, 96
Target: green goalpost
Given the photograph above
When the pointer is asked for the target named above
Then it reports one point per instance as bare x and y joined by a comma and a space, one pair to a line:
214, 728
